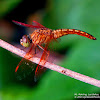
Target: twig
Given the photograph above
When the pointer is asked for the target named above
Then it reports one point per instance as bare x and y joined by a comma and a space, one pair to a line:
52, 66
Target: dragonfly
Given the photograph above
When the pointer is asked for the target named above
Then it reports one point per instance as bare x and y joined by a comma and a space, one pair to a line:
43, 36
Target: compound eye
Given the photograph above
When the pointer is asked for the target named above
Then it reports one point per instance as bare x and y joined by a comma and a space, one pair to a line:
25, 42
25, 39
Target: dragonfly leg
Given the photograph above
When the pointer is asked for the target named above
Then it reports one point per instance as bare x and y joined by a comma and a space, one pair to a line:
44, 49
43, 60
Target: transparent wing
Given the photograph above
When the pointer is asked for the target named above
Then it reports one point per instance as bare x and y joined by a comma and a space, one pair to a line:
25, 67
40, 69
36, 24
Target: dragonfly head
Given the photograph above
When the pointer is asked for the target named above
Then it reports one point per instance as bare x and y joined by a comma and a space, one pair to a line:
25, 41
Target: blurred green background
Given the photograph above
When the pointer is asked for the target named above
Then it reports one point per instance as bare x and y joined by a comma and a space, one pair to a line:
80, 54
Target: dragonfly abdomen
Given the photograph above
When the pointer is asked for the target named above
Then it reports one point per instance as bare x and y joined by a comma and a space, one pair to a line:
61, 32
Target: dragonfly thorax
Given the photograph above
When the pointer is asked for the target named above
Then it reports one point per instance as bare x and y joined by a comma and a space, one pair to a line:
41, 36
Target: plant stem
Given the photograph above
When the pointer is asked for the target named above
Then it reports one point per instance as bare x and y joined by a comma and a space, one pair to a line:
51, 66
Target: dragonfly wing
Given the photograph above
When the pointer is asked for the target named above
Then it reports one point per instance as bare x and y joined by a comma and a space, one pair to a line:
26, 25
25, 67
38, 24
40, 69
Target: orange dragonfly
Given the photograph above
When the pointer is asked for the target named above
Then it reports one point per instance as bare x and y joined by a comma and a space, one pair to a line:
42, 35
